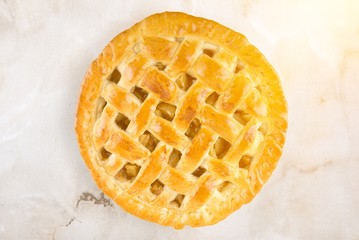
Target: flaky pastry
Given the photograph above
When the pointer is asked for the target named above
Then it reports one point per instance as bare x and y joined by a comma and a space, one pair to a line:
181, 120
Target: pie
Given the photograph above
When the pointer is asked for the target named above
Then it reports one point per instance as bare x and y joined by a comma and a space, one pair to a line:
181, 120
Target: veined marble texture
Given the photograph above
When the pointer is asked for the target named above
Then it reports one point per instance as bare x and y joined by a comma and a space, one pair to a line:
46, 191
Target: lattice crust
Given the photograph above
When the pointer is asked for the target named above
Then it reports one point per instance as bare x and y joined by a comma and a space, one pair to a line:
181, 120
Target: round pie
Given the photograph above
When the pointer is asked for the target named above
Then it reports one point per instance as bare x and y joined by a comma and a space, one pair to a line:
181, 120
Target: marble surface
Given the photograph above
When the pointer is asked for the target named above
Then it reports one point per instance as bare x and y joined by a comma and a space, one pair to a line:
46, 191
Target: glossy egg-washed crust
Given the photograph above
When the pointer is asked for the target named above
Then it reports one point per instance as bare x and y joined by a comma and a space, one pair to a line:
252, 86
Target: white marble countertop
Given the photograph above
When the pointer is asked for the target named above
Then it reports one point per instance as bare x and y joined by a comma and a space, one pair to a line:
46, 191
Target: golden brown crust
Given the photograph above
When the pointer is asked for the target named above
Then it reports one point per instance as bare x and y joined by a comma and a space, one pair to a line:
250, 116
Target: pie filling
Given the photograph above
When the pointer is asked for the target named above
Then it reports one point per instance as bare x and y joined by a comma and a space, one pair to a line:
168, 110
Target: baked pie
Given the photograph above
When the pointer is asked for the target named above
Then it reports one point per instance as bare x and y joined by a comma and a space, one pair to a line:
181, 120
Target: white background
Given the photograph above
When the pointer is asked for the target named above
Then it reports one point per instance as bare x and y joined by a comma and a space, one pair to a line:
46, 48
